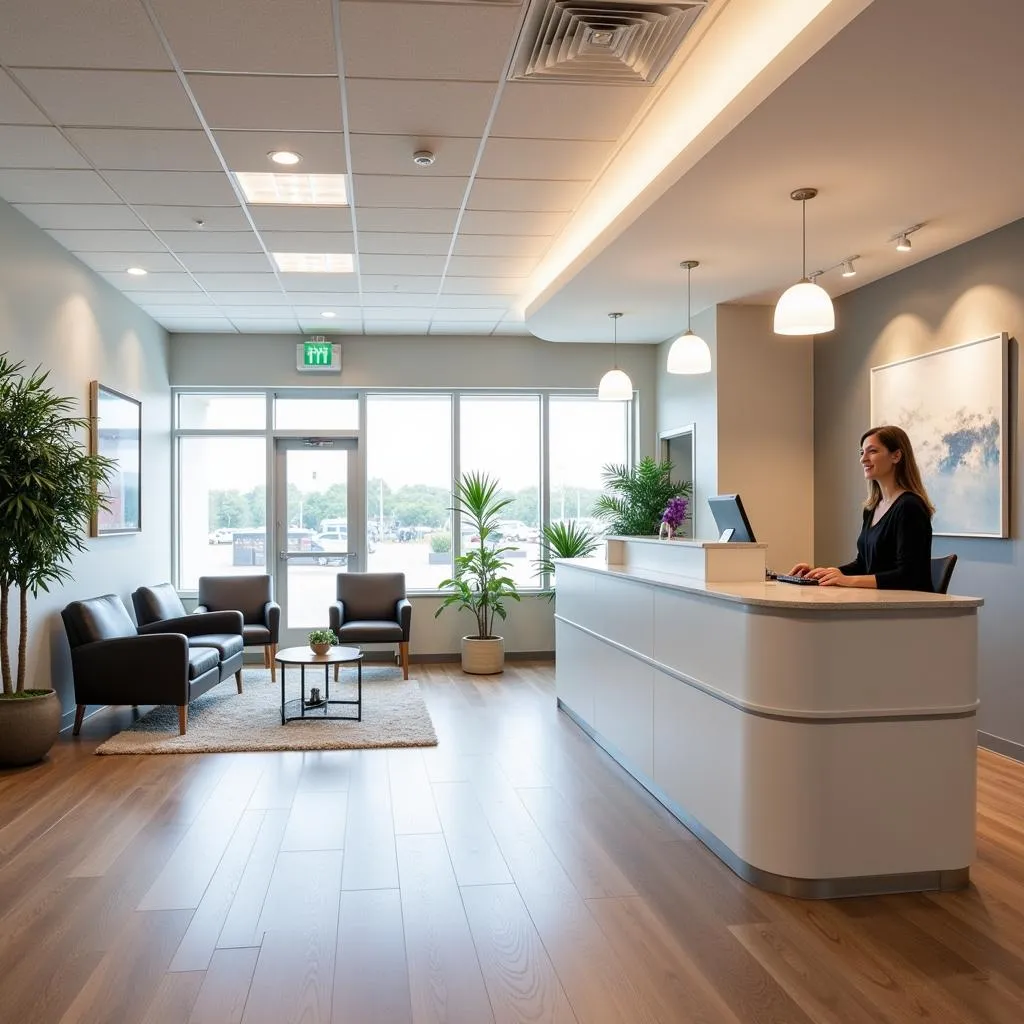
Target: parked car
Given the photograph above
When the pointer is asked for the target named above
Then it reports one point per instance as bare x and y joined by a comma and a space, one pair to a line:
222, 536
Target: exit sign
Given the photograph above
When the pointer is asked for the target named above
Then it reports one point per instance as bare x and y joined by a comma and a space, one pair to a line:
318, 355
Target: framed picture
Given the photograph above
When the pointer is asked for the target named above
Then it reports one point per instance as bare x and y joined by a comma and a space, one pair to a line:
953, 405
117, 435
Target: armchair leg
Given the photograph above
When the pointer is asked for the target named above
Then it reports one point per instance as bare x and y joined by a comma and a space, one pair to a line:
182, 718
266, 655
272, 655
404, 648
238, 680
79, 715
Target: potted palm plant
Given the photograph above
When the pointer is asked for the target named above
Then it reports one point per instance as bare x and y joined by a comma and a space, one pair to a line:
640, 496
479, 582
49, 490
564, 540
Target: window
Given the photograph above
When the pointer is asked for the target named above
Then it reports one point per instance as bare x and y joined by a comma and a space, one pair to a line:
500, 436
408, 489
316, 413
222, 412
222, 507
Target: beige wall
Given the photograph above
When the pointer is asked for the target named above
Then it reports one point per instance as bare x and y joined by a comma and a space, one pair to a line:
970, 292
753, 417
56, 313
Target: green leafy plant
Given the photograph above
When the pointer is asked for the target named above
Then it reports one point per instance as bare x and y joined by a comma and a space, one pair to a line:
478, 582
641, 494
321, 636
564, 540
440, 543
49, 489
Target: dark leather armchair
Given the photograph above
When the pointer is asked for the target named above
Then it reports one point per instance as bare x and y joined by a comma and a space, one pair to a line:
942, 573
159, 610
113, 664
372, 609
253, 596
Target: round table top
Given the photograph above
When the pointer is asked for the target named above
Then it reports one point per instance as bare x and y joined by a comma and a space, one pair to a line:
305, 656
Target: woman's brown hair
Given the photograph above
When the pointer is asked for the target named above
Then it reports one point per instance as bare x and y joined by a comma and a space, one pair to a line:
908, 476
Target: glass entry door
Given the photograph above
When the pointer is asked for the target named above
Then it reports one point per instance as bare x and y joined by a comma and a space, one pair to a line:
316, 534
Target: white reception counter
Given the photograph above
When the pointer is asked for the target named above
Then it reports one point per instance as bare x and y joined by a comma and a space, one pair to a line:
821, 741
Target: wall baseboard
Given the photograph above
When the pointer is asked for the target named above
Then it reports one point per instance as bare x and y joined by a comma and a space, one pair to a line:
1000, 746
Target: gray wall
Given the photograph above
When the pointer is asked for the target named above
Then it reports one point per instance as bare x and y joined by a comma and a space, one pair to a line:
973, 291
57, 313
431, 362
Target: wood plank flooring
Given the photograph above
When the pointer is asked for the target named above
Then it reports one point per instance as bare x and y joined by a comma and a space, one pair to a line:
512, 874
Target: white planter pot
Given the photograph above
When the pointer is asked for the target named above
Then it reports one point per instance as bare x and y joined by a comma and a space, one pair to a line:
483, 657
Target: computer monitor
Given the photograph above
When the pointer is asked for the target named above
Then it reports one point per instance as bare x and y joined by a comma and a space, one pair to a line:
731, 518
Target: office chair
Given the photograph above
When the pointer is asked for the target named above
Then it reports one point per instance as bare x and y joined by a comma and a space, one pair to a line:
942, 572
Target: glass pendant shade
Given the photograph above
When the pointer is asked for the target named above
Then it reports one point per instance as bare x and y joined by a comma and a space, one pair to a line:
804, 309
689, 354
615, 386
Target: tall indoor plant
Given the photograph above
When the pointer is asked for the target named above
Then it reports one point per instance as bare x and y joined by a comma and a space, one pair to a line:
564, 540
49, 489
478, 582
640, 496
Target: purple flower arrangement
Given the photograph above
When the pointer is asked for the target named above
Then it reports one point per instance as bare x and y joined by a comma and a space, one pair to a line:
675, 512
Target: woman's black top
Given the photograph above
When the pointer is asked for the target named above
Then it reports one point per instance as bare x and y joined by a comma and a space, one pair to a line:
897, 550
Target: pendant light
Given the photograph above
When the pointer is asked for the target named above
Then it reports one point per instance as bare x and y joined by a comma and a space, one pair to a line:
615, 385
689, 353
805, 308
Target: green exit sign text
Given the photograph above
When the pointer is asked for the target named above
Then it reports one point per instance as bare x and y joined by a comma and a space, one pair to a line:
318, 355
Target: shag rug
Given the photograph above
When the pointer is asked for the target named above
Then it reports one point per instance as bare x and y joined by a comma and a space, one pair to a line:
394, 715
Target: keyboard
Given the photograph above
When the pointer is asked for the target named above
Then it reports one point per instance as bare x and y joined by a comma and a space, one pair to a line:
803, 581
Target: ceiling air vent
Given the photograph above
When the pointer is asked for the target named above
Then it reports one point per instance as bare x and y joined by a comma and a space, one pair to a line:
609, 42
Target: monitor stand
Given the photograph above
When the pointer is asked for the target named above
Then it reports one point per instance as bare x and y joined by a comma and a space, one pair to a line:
726, 535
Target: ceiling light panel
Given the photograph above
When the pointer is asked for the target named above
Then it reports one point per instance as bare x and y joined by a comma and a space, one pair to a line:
293, 189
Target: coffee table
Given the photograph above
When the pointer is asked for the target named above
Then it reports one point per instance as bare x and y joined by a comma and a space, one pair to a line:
303, 656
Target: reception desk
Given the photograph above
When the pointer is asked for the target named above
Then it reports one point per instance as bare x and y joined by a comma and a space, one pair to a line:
821, 741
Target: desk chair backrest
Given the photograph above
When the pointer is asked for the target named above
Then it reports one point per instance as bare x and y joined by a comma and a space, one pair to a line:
942, 572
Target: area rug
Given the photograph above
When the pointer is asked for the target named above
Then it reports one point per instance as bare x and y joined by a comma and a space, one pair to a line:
394, 715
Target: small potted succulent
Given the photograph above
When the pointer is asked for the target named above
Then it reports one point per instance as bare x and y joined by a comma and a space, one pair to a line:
321, 640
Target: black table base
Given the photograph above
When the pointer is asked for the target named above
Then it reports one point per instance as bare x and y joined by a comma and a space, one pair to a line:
321, 711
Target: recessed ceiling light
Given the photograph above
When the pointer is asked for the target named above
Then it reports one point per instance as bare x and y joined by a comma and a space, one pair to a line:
137, 271
294, 189
314, 262
285, 157
327, 313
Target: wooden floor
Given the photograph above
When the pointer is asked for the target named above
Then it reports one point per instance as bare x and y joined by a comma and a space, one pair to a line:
514, 873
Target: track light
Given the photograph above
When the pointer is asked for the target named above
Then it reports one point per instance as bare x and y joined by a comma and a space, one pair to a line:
903, 244
902, 241
849, 270
615, 385
689, 352
805, 308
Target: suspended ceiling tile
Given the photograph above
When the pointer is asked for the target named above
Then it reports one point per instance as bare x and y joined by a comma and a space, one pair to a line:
228, 263
214, 241
183, 218
421, 266
214, 325
505, 222
489, 314
111, 99
265, 298
560, 159
121, 261
491, 266
332, 327
308, 241
372, 313
425, 41
302, 218
173, 188
483, 327
185, 297
251, 282
414, 109
507, 194
158, 282
109, 241
400, 283
381, 243
401, 191
83, 34
392, 154
81, 216
269, 103
15, 106
321, 152
172, 311
23, 186
500, 245
286, 325
384, 219
478, 301
545, 110
265, 36
399, 299
397, 328
299, 284
483, 285
30, 146
342, 309
139, 149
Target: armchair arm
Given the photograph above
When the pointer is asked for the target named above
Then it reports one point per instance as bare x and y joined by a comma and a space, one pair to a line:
272, 619
336, 615
403, 613
200, 609
132, 670
197, 625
